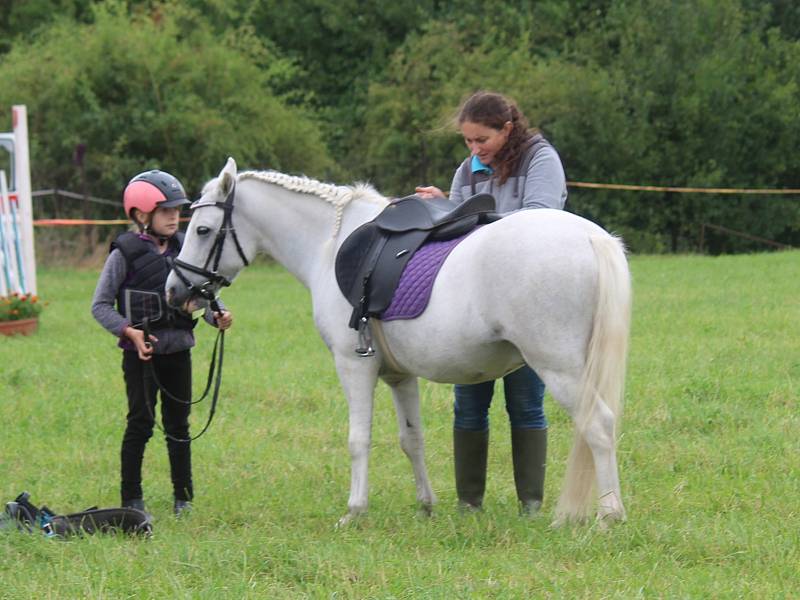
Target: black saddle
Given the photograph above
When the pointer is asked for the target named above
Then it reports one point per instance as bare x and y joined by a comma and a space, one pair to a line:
371, 260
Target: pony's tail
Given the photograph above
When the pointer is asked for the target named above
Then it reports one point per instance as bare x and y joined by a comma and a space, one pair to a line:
603, 378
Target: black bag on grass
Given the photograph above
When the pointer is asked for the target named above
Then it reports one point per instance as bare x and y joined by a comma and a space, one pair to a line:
26, 517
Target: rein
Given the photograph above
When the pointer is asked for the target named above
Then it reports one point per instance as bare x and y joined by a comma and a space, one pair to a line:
218, 342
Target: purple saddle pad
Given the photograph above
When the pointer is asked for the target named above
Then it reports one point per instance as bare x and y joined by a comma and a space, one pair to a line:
416, 283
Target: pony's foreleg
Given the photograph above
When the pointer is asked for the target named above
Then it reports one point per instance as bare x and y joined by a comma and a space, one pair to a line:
358, 380
406, 402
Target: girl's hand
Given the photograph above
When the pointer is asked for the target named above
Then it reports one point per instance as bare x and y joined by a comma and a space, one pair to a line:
224, 319
143, 347
429, 191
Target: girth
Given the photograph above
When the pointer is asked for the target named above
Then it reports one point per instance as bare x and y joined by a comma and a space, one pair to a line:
371, 260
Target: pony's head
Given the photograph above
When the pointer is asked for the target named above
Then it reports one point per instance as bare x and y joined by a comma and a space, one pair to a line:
212, 253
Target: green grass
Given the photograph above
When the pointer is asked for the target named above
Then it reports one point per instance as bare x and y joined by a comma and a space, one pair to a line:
709, 459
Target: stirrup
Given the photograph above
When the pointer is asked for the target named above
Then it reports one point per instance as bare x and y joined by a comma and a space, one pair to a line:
364, 347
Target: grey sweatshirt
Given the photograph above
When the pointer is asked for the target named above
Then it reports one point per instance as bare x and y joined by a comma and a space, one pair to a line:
545, 185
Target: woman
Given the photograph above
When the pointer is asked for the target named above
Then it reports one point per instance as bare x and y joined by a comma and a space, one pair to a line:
521, 170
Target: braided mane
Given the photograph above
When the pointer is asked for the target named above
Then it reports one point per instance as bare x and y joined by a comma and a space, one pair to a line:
339, 196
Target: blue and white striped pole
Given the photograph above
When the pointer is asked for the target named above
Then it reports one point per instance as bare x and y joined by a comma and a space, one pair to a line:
13, 217
5, 240
5, 280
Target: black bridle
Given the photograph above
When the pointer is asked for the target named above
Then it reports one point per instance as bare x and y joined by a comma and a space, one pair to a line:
205, 289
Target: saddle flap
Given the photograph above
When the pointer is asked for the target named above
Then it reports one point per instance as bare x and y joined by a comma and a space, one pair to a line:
389, 266
352, 261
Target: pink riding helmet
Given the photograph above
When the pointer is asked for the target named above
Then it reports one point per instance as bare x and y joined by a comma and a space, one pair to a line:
151, 189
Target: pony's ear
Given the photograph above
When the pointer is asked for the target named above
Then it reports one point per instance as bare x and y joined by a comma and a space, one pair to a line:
227, 177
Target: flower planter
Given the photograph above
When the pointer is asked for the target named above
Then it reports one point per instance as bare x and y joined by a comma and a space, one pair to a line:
22, 326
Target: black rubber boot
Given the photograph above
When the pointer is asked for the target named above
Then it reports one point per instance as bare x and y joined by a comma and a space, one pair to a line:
529, 452
470, 452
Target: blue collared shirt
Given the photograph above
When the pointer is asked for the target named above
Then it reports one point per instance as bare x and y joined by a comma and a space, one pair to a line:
477, 166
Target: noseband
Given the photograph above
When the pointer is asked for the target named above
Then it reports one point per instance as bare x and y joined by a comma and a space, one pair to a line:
213, 278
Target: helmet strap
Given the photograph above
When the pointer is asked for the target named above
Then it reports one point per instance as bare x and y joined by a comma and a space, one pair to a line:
135, 216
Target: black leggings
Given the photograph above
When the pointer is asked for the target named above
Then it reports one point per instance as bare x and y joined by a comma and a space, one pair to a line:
174, 372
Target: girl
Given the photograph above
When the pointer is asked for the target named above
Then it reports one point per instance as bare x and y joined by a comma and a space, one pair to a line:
129, 296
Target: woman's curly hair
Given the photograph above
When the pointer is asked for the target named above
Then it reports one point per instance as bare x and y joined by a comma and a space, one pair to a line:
494, 110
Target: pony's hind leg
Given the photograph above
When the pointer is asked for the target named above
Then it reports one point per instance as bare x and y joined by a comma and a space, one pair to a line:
405, 394
599, 431
592, 463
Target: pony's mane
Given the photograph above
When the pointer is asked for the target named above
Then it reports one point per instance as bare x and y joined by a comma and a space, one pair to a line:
339, 196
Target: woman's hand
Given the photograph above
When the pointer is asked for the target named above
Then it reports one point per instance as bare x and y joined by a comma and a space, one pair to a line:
143, 347
429, 191
224, 319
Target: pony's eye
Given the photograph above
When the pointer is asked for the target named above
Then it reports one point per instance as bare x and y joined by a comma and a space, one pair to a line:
203, 230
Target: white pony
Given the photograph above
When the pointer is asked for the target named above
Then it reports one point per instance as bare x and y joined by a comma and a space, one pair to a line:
543, 287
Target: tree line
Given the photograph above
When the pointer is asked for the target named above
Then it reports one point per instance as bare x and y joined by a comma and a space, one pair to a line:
690, 93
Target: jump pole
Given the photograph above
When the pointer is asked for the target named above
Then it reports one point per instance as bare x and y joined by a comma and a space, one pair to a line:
22, 178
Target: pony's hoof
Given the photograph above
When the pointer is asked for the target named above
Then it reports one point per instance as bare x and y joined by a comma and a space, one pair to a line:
425, 510
344, 521
610, 510
607, 519
348, 519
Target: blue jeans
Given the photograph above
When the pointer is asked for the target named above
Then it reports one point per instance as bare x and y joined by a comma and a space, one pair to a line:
524, 402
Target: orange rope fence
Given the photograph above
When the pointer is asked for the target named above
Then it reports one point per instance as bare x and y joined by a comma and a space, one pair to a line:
575, 184
72, 222
682, 190
69, 222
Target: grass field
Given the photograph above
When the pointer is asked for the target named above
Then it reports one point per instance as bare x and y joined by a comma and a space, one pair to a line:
709, 460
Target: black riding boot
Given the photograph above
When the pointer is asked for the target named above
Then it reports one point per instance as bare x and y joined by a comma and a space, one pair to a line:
180, 466
470, 451
529, 452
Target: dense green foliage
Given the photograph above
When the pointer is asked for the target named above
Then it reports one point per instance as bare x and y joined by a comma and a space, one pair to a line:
695, 93
153, 89
708, 459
